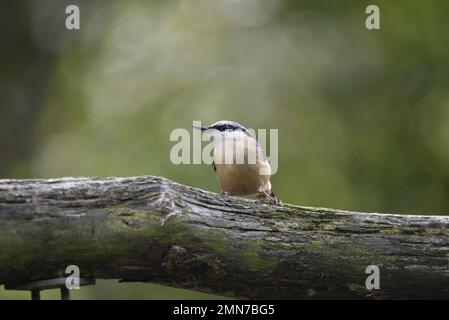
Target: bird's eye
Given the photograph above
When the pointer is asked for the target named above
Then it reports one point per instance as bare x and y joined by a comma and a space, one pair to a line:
226, 127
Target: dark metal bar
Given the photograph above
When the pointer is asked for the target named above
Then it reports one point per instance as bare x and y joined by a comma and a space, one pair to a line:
35, 294
57, 283
65, 293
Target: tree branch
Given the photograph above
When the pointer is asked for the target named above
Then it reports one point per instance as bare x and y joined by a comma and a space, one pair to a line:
154, 230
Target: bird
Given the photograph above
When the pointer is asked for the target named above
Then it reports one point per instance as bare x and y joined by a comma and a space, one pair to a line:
241, 166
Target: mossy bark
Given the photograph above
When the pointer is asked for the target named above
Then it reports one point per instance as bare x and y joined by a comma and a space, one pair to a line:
154, 230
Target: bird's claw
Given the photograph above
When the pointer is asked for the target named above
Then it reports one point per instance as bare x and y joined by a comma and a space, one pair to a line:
269, 198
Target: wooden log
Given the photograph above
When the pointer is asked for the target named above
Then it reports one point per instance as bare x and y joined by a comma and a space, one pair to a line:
151, 229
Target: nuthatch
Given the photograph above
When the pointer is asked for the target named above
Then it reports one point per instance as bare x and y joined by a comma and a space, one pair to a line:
240, 163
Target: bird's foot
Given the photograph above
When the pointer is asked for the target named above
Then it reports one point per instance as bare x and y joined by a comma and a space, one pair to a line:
225, 193
269, 197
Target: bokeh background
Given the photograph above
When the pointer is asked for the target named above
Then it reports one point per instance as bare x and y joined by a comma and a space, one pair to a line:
363, 115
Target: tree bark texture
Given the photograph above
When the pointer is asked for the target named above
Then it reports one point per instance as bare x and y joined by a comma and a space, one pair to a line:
151, 229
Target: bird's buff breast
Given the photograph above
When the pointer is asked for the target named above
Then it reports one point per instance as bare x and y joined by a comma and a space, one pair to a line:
241, 178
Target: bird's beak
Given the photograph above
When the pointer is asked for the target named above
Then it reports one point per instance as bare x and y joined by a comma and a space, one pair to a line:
200, 128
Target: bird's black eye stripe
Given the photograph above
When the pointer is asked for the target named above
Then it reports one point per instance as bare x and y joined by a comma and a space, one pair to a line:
224, 127
229, 127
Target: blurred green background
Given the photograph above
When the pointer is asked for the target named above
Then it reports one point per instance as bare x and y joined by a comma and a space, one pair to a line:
363, 115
